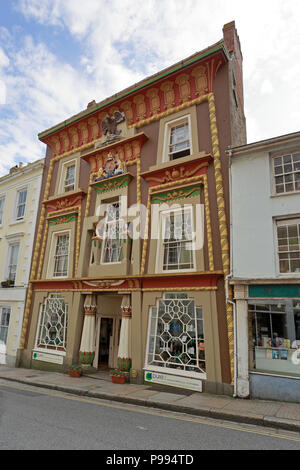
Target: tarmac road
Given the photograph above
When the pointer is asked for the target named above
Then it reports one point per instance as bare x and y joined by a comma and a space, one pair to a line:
39, 419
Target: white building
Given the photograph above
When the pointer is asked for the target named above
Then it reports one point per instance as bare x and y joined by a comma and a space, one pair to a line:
265, 260
19, 198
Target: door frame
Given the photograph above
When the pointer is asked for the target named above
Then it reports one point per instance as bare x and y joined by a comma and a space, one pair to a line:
116, 328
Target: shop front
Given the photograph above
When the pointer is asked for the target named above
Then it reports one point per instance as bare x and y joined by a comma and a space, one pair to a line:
273, 340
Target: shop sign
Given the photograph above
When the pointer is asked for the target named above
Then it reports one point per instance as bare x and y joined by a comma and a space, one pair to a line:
274, 290
47, 357
173, 380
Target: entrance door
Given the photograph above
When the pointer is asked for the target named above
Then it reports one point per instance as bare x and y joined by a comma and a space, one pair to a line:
105, 345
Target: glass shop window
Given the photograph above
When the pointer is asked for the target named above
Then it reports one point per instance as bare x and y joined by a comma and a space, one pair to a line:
274, 342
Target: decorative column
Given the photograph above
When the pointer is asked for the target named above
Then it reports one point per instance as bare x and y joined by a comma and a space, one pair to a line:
87, 346
124, 353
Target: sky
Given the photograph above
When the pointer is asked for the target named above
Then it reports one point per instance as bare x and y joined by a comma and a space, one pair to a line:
58, 55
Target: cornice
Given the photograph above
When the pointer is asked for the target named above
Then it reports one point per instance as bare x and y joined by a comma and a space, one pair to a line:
218, 47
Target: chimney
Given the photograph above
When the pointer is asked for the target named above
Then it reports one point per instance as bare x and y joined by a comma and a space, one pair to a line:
233, 45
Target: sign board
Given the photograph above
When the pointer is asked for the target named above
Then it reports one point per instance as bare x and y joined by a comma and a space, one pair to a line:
47, 357
274, 290
173, 380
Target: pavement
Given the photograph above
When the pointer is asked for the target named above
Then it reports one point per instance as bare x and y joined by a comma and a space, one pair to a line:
274, 414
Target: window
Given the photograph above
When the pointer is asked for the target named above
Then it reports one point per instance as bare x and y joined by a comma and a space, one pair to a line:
4, 324
69, 182
176, 335
61, 256
52, 330
177, 246
286, 170
288, 239
275, 336
13, 254
178, 139
21, 204
2, 200
113, 235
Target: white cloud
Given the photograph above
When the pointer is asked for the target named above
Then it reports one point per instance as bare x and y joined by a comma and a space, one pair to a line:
122, 41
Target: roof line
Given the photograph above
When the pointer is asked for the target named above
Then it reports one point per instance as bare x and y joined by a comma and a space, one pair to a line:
142, 84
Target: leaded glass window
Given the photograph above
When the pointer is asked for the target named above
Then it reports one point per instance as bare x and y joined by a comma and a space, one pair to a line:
53, 323
176, 334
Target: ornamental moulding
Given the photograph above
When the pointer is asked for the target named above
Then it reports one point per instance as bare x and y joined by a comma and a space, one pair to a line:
164, 95
178, 171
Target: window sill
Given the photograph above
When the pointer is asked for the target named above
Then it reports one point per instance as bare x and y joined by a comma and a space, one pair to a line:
290, 193
15, 222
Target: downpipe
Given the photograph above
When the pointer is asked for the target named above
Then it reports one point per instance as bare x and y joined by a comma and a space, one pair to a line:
229, 301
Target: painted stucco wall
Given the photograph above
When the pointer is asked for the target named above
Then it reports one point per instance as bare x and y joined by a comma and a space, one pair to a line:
29, 177
254, 208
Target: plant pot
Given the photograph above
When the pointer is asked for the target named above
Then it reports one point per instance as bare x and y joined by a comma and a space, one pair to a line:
75, 373
118, 379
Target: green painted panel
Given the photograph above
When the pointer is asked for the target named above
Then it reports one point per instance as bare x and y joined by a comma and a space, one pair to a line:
174, 194
274, 290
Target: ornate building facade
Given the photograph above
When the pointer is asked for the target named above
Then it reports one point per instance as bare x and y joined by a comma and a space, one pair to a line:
132, 247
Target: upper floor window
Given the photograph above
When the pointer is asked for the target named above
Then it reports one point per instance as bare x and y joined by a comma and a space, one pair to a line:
113, 235
288, 237
178, 139
176, 248
69, 178
21, 203
13, 261
286, 169
4, 324
61, 256
2, 201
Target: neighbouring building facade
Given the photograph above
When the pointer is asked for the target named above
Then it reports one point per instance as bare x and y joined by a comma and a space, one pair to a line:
19, 199
265, 205
132, 245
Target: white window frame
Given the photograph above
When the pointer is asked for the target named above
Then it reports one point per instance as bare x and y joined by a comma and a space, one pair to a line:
163, 214
51, 262
284, 222
293, 173
66, 165
8, 307
168, 126
52, 349
2, 198
172, 371
9, 259
106, 222
17, 204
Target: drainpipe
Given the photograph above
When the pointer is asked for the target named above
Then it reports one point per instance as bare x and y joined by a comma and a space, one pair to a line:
228, 300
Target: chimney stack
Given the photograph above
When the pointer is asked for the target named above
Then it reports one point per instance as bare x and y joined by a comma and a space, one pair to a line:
233, 45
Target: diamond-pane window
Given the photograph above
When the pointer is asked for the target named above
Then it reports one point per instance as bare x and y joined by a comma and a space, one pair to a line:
53, 324
176, 335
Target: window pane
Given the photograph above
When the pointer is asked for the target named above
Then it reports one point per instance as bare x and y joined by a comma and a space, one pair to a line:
61, 257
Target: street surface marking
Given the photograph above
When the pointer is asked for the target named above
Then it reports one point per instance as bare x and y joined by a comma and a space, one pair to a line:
156, 412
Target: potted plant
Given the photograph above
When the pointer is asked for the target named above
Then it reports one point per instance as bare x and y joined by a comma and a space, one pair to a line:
118, 376
75, 370
8, 283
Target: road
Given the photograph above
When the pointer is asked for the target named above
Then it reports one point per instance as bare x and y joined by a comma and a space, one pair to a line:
40, 419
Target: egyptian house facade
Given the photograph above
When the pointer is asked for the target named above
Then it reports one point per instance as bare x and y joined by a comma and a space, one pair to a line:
132, 247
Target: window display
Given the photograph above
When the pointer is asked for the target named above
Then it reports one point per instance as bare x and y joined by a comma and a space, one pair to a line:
176, 335
275, 336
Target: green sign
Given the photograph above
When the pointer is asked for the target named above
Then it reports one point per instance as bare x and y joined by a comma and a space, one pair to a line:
274, 290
